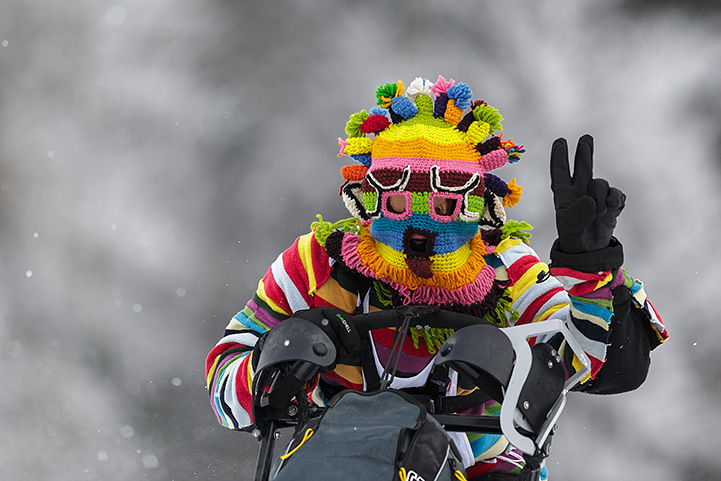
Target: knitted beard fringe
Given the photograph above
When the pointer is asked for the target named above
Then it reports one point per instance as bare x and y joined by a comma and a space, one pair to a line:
466, 284
489, 301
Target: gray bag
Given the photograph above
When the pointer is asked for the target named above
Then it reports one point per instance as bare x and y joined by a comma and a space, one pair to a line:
385, 435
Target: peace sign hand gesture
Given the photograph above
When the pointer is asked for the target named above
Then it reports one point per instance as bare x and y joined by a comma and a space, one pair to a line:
586, 208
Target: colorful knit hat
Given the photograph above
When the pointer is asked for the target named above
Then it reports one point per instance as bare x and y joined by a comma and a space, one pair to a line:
423, 180
429, 148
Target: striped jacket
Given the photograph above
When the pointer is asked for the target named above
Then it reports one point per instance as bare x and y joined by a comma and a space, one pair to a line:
304, 276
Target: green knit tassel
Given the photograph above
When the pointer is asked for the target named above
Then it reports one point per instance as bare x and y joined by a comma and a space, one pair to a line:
384, 293
514, 228
323, 229
434, 338
500, 315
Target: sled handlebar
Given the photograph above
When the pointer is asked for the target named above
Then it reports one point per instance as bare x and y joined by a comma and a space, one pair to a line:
420, 316
528, 380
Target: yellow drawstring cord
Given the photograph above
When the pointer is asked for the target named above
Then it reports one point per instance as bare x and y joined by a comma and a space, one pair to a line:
306, 437
402, 474
459, 476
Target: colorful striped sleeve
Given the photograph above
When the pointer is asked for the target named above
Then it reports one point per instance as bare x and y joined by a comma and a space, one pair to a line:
592, 310
289, 285
534, 294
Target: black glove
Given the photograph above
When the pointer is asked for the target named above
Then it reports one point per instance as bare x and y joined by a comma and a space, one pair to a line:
339, 327
257, 349
586, 208
335, 323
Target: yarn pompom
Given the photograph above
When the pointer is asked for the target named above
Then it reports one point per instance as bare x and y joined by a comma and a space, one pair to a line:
387, 92
515, 155
462, 94
419, 86
374, 124
404, 107
342, 144
519, 230
490, 115
353, 126
514, 193
441, 86
514, 151
322, 229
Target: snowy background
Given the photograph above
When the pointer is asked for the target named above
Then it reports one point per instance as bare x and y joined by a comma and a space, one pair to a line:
155, 156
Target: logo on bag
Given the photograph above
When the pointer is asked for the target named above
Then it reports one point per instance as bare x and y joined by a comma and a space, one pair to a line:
411, 476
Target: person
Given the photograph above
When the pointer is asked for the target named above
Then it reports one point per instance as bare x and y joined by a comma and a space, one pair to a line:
429, 227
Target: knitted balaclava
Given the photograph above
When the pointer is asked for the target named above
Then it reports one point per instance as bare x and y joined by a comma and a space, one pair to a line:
422, 185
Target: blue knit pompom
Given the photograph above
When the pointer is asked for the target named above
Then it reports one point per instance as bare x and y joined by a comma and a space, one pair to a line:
462, 94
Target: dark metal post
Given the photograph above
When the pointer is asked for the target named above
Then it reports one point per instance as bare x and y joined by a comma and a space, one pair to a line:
265, 452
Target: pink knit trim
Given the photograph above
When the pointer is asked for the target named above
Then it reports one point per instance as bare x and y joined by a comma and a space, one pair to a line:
349, 252
421, 164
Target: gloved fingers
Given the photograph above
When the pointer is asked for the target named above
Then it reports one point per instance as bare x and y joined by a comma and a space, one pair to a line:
616, 199
576, 217
583, 162
599, 191
314, 315
615, 202
560, 172
567, 187
255, 355
344, 328
318, 316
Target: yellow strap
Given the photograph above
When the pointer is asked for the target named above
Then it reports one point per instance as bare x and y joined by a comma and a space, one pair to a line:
306, 437
460, 476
